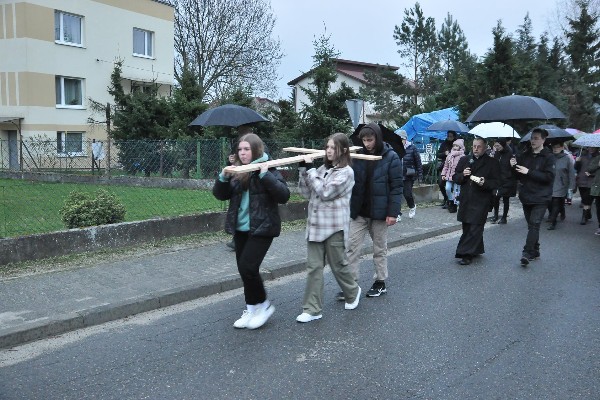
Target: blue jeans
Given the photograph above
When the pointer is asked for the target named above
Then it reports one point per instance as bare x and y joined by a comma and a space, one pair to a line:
534, 214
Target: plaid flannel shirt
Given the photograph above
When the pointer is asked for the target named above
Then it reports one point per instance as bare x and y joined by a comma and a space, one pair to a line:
328, 192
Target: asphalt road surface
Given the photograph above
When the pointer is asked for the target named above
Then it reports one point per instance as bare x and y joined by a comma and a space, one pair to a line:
491, 330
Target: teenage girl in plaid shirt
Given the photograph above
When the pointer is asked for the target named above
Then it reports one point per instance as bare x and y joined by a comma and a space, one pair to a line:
328, 189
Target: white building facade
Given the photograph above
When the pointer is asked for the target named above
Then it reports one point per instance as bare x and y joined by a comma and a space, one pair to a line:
55, 55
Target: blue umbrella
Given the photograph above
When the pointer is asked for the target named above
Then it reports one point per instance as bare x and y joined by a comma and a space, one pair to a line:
228, 115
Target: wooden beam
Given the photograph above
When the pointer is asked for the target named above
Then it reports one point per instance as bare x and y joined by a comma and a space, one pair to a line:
291, 160
307, 150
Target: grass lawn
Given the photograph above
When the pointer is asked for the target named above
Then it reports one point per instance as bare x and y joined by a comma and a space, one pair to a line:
33, 207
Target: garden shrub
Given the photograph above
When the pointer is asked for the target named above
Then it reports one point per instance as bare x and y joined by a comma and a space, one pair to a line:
83, 209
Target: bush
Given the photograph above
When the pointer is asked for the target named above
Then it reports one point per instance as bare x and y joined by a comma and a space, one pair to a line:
83, 209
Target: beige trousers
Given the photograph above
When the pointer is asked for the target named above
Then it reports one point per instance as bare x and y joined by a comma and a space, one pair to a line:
378, 230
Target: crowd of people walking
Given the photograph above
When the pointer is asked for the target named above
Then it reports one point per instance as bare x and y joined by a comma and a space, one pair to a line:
350, 197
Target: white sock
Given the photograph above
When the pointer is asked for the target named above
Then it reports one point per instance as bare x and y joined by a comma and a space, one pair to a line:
264, 305
251, 308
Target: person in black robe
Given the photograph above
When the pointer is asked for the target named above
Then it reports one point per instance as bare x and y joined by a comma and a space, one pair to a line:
479, 177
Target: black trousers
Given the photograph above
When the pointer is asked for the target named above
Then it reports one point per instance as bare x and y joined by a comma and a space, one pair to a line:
557, 206
250, 252
408, 192
506, 203
586, 197
534, 214
442, 186
470, 243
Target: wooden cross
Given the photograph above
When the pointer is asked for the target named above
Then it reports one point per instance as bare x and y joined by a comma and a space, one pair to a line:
312, 153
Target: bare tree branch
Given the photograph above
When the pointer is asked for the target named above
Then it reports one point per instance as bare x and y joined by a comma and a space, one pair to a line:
228, 44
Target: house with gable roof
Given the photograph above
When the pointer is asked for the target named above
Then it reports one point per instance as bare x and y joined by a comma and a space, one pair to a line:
352, 73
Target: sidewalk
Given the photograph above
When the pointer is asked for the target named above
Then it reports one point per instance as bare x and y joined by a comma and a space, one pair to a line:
39, 306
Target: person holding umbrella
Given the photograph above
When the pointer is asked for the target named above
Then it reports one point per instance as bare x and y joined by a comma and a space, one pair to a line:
253, 219
479, 176
534, 169
584, 182
593, 171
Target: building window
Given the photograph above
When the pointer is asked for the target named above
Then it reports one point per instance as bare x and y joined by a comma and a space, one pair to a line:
69, 92
69, 143
142, 42
67, 28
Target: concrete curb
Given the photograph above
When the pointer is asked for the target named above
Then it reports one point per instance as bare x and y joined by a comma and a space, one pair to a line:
165, 298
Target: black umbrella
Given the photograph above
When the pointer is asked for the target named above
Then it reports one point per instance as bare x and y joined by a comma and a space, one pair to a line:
515, 107
555, 134
388, 136
448, 125
228, 115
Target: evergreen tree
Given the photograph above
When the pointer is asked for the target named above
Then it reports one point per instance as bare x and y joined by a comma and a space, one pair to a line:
525, 74
417, 39
326, 112
583, 47
454, 49
499, 64
389, 92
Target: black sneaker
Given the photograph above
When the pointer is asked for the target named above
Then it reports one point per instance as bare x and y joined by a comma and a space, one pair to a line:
377, 289
524, 261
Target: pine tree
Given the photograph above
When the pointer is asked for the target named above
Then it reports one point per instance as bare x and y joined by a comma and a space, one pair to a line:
499, 64
525, 75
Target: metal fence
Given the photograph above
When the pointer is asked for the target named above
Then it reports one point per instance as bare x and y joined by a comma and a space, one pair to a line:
32, 206
197, 159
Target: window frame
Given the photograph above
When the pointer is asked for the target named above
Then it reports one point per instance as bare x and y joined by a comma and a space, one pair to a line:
147, 34
62, 103
61, 29
61, 144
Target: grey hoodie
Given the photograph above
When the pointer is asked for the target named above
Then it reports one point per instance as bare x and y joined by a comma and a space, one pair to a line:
564, 174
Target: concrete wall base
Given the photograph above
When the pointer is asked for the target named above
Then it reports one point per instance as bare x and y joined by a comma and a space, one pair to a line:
74, 241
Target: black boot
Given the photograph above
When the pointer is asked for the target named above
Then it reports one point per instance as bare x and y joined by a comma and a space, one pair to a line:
502, 220
494, 218
588, 213
583, 218
552, 226
452, 208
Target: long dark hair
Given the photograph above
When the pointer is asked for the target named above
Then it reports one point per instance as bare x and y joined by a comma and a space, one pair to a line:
341, 145
258, 149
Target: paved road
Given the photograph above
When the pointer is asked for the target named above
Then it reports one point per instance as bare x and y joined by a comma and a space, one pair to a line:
492, 330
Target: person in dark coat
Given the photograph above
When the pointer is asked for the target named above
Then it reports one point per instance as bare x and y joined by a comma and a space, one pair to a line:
374, 205
253, 219
584, 182
479, 177
535, 170
443, 151
412, 170
508, 182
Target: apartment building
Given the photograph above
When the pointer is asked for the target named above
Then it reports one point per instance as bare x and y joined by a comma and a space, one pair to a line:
57, 54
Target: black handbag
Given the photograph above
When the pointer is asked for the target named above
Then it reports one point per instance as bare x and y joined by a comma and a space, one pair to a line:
410, 172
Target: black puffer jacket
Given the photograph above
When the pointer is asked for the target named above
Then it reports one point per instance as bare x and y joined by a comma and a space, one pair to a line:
412, 159
265, 195
536, 186
377, 187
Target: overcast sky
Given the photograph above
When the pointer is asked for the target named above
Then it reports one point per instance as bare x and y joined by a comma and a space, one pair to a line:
363, 30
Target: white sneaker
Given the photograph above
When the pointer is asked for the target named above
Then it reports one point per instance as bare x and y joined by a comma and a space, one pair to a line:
306, 317
243, 321
412, 212
399, 218
260, 316
353, 305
